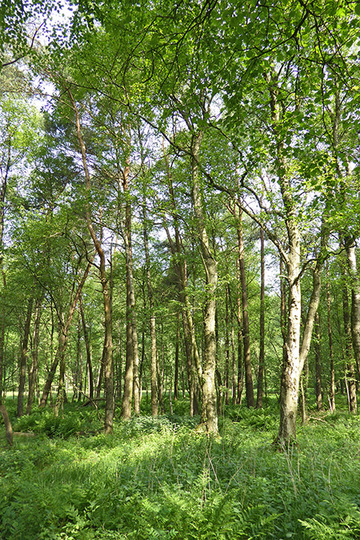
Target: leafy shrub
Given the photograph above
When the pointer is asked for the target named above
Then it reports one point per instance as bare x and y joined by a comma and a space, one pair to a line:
159, 478
72, 421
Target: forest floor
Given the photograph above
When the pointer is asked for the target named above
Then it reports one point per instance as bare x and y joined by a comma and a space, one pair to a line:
160, 479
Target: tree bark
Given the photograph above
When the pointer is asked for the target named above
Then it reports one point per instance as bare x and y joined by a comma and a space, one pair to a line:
227, 349
193, 364
209, 407
350, 247
331, 348
3, 190
61, 395
8, 426
232, 345
295, 356
23, 360
292, 368
260, 381
63, 332
88, 349
349, 367
318, 367
153, 348
240, 362
131, 384
249, 386
108, 344
49, 379
177, 358
33, 372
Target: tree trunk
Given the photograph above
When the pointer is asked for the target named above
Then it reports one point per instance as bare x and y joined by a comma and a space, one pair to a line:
194, 368
177, 358
3, 189
240, 362
131, 386
260, 381
108, 345
291, 369
63, 331
349, 368
227, 349
34, 356
49, 379
154, 355
23, 360
189, 361
8, 426
283, 309
232, 344
250, 400
331, 348
304, 416
295, 357
318, 367
355, 298
88, 350
61, 395
78, 371
209, 408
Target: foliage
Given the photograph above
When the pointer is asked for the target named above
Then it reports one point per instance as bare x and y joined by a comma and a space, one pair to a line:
159, 478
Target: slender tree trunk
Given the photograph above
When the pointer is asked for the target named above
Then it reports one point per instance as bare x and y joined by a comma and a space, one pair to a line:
100, 376
23, 360
49, 379
355, 298
283, 309
108, 345
303, 401
349, 369
240, 342
3, 189
119, 369
34, 356
2, 347
154, 356
189, 361
131, 386
249, 386
318, 367
209, 408
88, 350
61, 396
78, 371
260, 381
63, 332
232, 344
177, 358
331, 348
227, 348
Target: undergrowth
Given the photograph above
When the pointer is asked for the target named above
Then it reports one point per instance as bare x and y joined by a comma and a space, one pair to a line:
159, 478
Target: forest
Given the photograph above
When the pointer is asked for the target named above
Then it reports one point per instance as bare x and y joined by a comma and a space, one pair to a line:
180, 285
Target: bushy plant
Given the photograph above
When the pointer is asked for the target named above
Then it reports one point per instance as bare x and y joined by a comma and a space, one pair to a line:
160, 478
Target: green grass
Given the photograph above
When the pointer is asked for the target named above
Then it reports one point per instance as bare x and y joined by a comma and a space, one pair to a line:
158, 478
